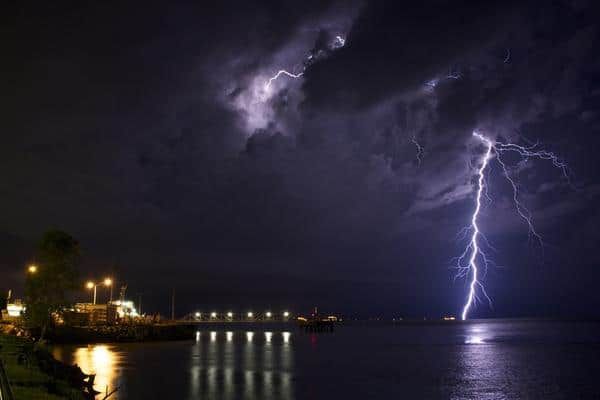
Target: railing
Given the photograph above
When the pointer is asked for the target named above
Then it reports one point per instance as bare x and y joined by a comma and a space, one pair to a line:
5, 391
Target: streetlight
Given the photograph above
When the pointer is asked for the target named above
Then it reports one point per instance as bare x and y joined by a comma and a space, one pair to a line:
32, 269
197, 315
91, 285
229, 315
268, 314
250, 314
286, 314
213, 314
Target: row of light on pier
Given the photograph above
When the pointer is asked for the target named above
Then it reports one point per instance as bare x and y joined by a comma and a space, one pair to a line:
249, 314
249, 336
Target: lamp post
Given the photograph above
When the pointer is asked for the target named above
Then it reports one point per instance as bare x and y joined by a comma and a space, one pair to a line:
91, 285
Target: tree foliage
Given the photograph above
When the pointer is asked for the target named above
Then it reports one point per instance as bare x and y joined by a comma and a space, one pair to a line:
46, 290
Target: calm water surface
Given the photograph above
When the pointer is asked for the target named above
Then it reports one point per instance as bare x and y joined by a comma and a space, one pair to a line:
496, 359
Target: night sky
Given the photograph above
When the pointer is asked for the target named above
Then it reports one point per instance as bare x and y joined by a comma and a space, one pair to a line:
146, 131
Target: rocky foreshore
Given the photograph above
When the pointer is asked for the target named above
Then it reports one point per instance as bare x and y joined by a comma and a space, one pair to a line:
120, 333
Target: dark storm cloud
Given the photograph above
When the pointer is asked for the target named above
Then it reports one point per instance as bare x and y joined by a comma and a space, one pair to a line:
142, 132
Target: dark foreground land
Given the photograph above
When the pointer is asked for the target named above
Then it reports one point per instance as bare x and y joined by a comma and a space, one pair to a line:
34, 374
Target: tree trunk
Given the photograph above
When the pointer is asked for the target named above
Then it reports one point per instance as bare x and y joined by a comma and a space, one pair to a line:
43, 332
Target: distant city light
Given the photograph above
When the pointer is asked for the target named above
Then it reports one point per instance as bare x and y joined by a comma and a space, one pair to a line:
32, 269
197, 314
107, 282
286, 314
213, 314
268, 314
250, 314
89, 285
229, 314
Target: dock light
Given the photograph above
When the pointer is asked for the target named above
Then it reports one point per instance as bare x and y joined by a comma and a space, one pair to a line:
229, 314
268, 314
213, 314
250, 314
32, 269
286, 314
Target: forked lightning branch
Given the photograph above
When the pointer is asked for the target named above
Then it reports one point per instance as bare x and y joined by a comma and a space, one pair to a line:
473, 262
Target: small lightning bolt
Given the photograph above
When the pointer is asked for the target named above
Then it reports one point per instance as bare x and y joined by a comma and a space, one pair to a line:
419, 154
433, 83
338, 42
477, 258
278, 74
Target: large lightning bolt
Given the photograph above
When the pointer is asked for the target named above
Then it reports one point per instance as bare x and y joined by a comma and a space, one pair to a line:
474, 244
477, 260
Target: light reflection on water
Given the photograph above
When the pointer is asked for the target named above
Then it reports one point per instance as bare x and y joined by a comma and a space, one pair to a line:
223, 365
477, 334
232, 365
474, 360
100, 360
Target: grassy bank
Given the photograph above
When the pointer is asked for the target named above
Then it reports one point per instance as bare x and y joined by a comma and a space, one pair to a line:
32, 374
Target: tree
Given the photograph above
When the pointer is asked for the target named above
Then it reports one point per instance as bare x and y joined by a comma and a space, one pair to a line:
46, 290
3, 299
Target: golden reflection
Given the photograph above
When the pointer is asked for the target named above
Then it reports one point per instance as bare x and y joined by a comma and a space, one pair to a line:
99, 360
